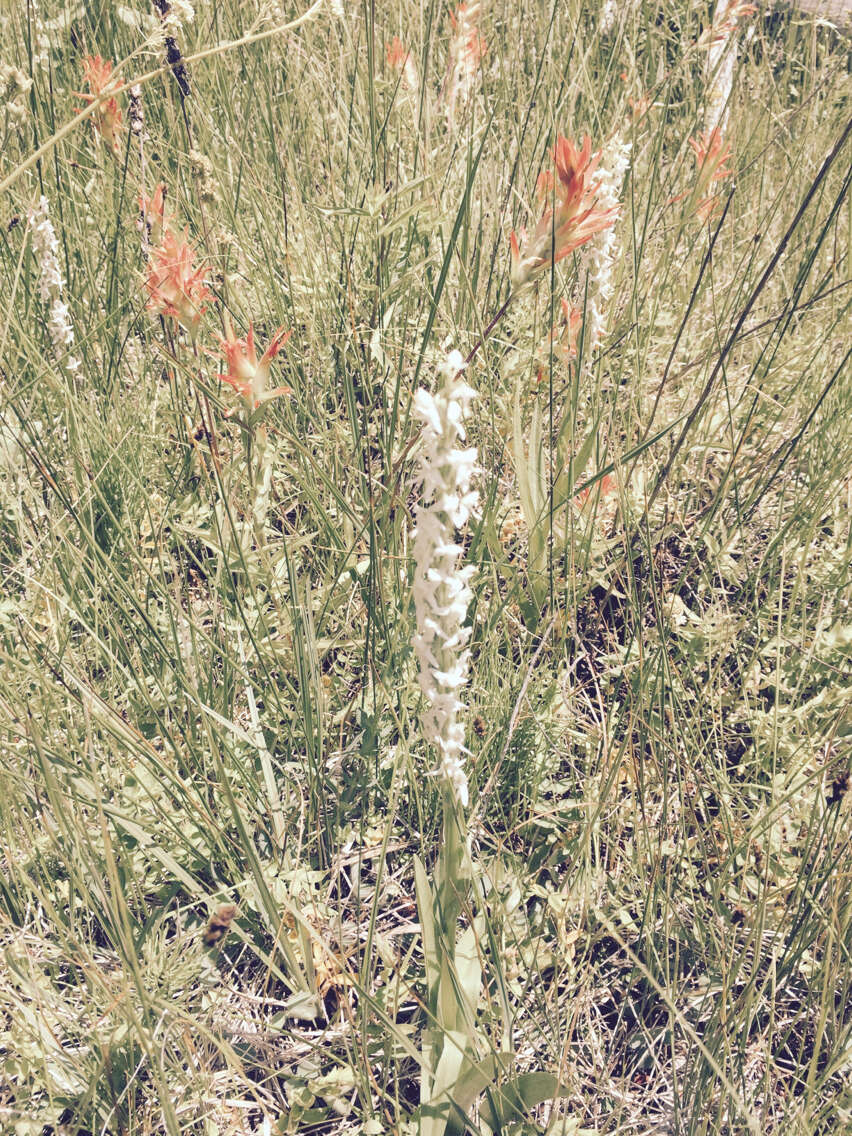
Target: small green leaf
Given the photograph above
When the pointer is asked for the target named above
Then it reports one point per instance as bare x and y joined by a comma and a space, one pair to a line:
512, 1102
469, 971
434, 1117
428, 929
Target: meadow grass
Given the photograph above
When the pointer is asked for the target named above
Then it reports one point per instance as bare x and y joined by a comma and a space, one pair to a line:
208, 694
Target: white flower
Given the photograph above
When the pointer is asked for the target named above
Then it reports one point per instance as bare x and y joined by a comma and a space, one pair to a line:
609, 15
59, 325
179, 14
441, 587
598, 256
14, 86
611, 11
721, 63
41, 45
146, 21
50, 282
467, 48
722, 59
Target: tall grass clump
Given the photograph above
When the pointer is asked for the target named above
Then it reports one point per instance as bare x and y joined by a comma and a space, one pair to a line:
424, 533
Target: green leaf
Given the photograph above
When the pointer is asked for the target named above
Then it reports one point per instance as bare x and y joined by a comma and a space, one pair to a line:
302, 1005
512, 1102
428, 929
572, 471
435, 1116
536, 1088
469, 972
472, 1082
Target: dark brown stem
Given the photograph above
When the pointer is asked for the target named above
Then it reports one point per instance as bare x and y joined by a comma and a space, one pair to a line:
491, 326
206, 415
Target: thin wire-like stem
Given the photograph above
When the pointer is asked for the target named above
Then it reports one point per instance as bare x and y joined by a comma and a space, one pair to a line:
493, 323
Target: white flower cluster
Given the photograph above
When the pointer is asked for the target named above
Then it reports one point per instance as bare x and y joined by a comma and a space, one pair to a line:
441, 587
609, 15
41, 44
598, 256
612, 11
465, 55
722, 61
178, 14
50, 283
14, 86
136, 113
719, 93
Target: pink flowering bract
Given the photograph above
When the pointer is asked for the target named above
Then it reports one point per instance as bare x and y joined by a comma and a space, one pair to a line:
97, 73
571, 216
248, 375
175, 288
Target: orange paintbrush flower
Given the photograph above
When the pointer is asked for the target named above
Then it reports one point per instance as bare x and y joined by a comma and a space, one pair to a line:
640, 107
153, 211
107, 118
570, 220
562, 341
248, 375
725, 21
563, 336
175, 288
544, 187
400, 60
711, 154
604, 487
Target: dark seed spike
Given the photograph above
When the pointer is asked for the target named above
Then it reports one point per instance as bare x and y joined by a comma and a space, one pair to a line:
173, 53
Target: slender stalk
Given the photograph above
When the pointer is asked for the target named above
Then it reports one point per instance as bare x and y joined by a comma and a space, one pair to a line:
493, 323
761, 284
